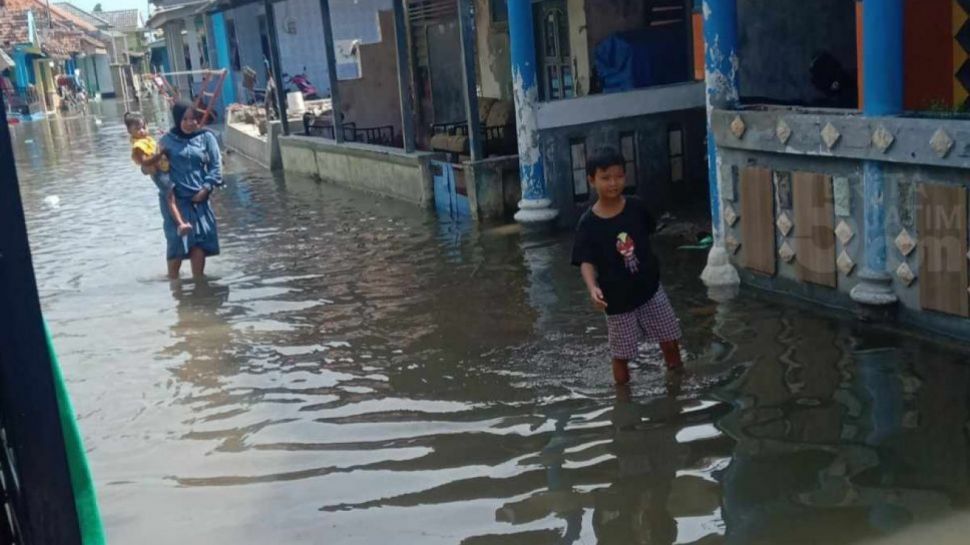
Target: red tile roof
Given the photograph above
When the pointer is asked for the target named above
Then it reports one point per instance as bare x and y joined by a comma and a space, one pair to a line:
59, 33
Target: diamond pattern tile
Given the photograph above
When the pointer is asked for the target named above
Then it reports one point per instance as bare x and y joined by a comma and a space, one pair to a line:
906, 274
845, 263
730, 216
732, 244
784, 224
963, 74
786, 252
738, 127
941, 142
844, 231
963, 36
905, 243
783, 131
830, 135
883, 139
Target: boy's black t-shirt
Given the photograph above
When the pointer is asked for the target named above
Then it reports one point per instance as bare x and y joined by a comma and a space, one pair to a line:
627, 270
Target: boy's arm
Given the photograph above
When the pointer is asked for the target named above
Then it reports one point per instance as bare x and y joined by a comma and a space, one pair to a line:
595, 293
174, 209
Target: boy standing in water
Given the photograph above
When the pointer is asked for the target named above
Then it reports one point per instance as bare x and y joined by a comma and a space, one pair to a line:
146, 153
622, 274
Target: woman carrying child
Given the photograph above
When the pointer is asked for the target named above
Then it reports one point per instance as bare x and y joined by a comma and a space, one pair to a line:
195, 170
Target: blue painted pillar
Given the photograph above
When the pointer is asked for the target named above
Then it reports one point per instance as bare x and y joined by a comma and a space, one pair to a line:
221, 39
721, 79
535, 206
882, 68
721, 82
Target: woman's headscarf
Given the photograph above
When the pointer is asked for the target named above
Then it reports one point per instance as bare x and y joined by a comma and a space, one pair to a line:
178, 112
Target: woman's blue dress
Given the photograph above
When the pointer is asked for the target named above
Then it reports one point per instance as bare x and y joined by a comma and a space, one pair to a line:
196, 164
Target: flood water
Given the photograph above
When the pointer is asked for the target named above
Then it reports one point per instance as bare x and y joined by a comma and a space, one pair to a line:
355, 372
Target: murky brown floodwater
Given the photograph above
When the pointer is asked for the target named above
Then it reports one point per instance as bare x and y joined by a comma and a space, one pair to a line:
357, 373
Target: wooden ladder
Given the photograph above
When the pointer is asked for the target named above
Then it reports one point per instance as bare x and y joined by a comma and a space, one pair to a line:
209, 92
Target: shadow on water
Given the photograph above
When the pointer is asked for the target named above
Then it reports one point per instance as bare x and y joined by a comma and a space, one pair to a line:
355, 370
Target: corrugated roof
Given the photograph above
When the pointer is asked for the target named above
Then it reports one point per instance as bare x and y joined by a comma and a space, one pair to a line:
87, 17
168, 13
122, 19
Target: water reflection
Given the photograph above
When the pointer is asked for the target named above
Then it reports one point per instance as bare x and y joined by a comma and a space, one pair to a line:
355, 371
842, 449
202, 333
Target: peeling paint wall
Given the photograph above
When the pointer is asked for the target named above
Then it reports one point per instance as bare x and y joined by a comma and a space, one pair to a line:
494, 57
779, 38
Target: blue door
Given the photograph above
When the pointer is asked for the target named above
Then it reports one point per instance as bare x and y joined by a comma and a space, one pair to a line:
450, 191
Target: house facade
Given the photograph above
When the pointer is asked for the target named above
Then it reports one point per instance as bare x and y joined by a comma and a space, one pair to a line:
840, 141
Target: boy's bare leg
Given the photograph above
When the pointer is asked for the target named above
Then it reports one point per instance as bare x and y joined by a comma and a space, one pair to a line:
174, 266
621, 371
197, 257
671, 350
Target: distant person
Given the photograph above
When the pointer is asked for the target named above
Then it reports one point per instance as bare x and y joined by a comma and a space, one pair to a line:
146, 153
622, 274
196, 169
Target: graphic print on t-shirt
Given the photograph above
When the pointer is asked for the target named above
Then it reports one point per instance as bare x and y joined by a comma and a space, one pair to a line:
628, 249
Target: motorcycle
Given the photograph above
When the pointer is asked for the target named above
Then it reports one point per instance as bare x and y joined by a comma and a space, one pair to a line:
302, 83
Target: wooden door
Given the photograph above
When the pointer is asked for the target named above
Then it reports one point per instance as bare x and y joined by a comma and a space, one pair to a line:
814, 234
758, 220
943, 249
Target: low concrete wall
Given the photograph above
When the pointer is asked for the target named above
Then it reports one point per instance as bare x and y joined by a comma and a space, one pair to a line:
264, 150
385, 171
494, 187
911, 142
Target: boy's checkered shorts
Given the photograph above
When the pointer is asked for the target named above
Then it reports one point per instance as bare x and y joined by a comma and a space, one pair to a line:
654, 321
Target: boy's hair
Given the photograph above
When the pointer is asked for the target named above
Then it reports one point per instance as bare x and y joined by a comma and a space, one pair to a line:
132, 119
602, 159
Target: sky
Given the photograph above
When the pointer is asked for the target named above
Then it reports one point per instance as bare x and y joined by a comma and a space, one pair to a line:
109, 5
